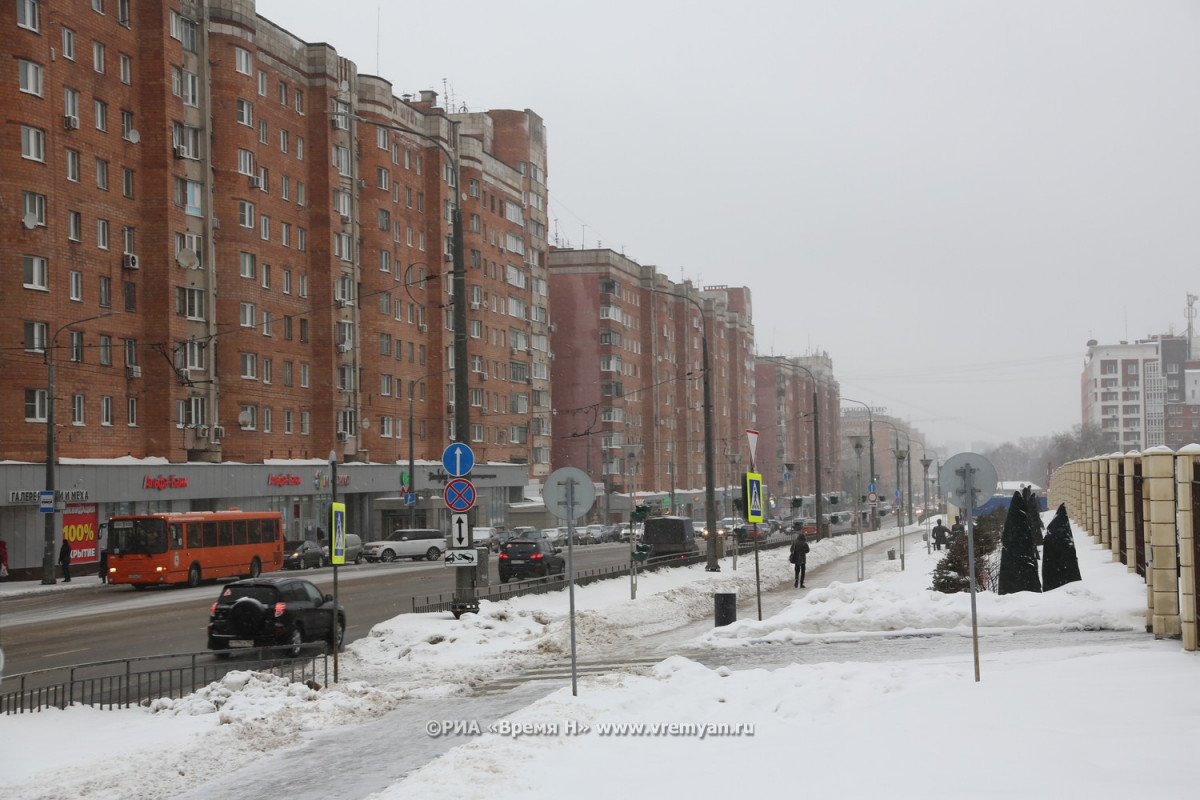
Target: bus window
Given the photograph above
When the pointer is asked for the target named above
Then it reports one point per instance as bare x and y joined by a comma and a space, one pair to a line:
139, 536
176, 536
239, 533
255, 530
210, 534
252, 535
194, 539
225, 533
269, 530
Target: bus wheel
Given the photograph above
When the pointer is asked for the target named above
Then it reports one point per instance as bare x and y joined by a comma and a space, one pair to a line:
255, 568
194, 576
139, 587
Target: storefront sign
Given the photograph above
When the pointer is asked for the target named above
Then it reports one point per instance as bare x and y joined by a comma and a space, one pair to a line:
30, 496
79, 528
161, 482
283, 480
321, 480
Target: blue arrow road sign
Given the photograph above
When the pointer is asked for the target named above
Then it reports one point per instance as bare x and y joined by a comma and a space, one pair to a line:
458, 459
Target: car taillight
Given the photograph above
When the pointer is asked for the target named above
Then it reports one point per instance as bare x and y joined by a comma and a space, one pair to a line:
280, 608
212, 611
503, 555
537, 555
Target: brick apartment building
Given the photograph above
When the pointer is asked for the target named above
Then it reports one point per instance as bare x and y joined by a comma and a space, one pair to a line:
785, 386
225, 261
627, 376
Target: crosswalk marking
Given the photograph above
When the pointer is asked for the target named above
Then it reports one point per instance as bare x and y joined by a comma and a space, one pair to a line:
561, 671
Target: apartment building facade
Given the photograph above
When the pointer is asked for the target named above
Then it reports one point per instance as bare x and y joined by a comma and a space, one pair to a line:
1123, 393
628, 376
233, 247
787, 450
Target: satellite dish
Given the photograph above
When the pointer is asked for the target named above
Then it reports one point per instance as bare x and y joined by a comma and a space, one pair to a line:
134, 136
187, 258
243, 418
366, 423
30, 220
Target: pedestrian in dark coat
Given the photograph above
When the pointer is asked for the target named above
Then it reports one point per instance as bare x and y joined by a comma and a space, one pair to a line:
799, 557
103, 565
64, 558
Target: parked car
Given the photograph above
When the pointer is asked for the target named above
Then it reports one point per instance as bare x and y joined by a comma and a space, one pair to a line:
671, 536
414, 543
354, 548
529, 558
302, 555
261, 612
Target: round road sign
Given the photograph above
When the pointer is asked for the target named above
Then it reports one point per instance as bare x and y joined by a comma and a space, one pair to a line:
554, 493
872, 497
953, 480
460, 495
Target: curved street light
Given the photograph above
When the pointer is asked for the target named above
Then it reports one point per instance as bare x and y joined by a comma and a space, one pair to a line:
900, 456
464, 586
871, 452
51, 439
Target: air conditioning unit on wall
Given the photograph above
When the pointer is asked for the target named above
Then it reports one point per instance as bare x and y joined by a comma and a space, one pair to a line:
341, 436
129, 261
218, 432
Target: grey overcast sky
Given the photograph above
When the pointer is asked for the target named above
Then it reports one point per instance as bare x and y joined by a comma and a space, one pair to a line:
949, 197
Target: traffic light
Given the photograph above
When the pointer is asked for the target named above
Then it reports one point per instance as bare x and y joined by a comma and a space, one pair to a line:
797, 502
833, 499
641, 551
639, 513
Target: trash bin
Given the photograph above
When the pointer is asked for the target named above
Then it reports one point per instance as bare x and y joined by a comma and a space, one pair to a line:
724, 608
892, 554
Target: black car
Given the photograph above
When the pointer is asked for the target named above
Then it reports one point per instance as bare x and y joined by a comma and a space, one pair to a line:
260, 612
529, 558
302, 555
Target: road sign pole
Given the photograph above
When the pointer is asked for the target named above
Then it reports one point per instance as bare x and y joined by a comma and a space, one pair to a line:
571, 511
969, 484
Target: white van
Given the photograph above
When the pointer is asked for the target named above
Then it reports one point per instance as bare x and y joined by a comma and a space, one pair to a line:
414, 543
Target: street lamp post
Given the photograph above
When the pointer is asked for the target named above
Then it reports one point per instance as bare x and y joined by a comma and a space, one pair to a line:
925, 462
464, 585
50, 532
856, 440
871, 437
816, 415
710, 472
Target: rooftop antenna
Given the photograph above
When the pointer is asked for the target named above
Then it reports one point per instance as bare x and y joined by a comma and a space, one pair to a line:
1191, 315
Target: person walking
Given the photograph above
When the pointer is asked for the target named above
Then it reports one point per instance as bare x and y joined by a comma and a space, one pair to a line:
103, 565
799, 557
64, 559
941, 535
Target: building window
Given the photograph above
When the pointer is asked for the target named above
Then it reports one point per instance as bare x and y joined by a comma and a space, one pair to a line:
126, 69
101, 174
102, 234
246, 215
249, 366
248, 418
98, 57
36, 407
248, 315
247, 268
101, 115
75, 284
73, 166
190, 89
30, 77
76, 409
105, 291
33, 143
36, 334
37, 271
106, 411
244, 62
304, 423
132, 407
245, 112
34, 207
105, 350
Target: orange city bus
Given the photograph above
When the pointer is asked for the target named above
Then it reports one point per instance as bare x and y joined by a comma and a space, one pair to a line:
153, 549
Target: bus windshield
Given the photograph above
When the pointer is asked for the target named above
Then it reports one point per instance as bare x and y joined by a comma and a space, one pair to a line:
138, 536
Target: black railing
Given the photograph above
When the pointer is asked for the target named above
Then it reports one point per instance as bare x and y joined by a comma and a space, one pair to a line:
121, 683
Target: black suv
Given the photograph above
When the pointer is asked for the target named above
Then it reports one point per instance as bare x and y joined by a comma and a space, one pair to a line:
529, 558
259, 612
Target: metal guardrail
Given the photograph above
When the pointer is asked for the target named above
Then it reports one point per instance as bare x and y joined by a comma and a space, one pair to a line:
120, 683
442, 601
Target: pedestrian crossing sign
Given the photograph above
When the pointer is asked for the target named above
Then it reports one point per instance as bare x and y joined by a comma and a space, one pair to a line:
754, 498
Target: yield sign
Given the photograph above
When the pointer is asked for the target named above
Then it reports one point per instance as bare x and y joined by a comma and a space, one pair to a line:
460, 495
752, 438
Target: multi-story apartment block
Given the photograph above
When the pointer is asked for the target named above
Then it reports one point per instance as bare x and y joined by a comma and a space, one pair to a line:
786, 386
1123, 393
628, 375
233, 247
